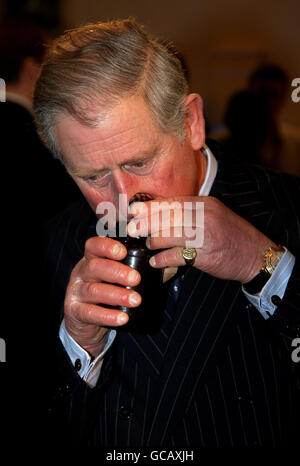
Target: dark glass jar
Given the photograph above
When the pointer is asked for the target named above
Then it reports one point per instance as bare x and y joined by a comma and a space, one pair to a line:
138, 256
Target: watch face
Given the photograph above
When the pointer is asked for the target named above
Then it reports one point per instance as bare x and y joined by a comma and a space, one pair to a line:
271, 260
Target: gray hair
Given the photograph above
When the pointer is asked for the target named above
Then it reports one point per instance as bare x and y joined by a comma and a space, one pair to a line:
97, 65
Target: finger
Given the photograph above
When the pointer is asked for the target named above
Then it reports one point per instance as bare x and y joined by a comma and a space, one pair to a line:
99, 269
98, 315
96, 293
168, 258
143, 209
166, 219
178, 236
154, 221
104, 247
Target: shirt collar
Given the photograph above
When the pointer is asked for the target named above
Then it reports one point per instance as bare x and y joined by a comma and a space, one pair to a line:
211, 171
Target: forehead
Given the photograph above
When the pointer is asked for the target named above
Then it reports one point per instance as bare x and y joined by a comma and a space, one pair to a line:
125, 131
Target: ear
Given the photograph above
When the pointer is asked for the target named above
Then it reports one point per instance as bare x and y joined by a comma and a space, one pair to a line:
195, 125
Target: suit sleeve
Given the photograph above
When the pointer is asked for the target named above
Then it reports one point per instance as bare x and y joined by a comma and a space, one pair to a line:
71, 405
67, 402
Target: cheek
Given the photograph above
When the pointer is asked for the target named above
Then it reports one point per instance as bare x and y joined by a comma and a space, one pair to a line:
92, 196
93, 199
176, 180
185, 174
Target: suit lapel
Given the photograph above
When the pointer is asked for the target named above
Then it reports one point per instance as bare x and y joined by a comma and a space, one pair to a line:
249, 192
148, 348
208, 312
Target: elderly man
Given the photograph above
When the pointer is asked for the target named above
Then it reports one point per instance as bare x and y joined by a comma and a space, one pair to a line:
113, 104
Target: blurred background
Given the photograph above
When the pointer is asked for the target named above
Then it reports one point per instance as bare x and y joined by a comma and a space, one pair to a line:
221, 42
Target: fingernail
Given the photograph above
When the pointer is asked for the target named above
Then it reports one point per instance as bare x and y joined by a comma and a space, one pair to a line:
132, 276
152, 261
122, 318
134, 299
132, 228
117, 250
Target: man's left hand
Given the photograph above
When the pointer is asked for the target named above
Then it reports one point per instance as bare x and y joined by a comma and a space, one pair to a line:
227, 246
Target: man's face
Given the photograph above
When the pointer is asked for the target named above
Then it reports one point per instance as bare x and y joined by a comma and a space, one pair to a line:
126, 154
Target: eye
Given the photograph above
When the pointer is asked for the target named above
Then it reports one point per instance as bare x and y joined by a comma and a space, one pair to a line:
140, 167
93, 178
98, 180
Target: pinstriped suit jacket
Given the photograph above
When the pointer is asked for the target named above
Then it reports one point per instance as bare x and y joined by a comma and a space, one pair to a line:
215, 373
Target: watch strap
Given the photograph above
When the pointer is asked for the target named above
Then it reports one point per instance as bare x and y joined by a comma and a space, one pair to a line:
272, 257
257, 283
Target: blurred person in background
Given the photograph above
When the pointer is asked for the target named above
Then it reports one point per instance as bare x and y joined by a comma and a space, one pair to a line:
254, 114
23, 45
281, 145
35, 187
247, 118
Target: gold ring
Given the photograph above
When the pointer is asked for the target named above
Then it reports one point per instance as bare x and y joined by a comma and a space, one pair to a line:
189, 255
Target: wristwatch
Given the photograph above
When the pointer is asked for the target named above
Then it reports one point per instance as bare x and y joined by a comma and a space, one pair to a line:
272, 257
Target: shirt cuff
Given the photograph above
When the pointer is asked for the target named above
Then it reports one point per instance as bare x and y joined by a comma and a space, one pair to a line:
89, 370
275, 286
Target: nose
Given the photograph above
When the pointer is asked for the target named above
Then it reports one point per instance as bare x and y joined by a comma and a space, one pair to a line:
124, 184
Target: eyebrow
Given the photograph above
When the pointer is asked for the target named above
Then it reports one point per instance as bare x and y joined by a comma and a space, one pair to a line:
85, 173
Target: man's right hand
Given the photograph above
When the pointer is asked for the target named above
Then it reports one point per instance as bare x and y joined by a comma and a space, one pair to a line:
86, 320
